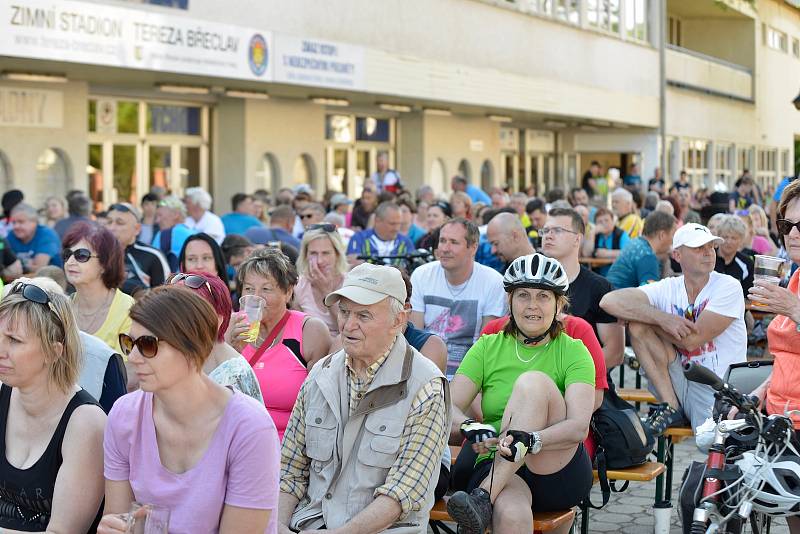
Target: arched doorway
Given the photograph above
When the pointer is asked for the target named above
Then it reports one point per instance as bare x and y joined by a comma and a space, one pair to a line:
6, 179
304, 171
437, 178
465, 170
53, 172
487, 175
269, 172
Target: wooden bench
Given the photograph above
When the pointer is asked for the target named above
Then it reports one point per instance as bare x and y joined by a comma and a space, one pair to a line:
542, 522
636, 395
641, 473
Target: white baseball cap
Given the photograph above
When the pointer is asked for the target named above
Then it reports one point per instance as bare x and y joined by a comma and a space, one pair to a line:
368, 284
693, 235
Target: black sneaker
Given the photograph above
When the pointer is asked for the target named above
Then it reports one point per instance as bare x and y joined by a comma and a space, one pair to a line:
662, 418
472, 512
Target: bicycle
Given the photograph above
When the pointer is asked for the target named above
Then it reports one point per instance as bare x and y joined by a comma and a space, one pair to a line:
729, 507
409, 261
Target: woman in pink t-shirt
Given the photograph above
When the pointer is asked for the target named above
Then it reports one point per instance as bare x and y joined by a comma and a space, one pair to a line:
289, 342
208, 453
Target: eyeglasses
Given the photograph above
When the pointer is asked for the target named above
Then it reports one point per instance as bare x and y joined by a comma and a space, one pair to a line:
35, 294
193, 281
306, 216
82, 255
147, 345
325, 227
785, 226
556, 231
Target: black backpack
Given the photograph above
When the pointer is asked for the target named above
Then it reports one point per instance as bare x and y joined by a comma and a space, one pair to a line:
621, 439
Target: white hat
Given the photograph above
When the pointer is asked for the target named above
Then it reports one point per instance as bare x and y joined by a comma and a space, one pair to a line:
368, 284
693, 235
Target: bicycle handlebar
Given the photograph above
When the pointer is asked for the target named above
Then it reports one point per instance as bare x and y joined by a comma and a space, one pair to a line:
703, 375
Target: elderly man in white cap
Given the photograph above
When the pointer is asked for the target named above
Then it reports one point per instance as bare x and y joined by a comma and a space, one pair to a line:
698, 316
361, 447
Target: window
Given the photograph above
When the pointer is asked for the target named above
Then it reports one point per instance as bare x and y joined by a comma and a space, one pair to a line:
162, 119
786, 170
674, 37
338, 128
603, 14
372, 129
722, 163
776, 39
567, 10
5, 173
636, 19
53, 172
694, 159
268, 174
796, 48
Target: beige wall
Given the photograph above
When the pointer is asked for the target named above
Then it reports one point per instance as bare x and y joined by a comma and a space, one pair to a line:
729, 39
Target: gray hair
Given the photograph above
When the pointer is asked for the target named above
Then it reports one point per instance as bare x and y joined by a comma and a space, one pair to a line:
560, 204
623, 194
383, 209
29, 211
396, 307
315, 206
199, 196
665, 206
731, 223
714, 221
335, 218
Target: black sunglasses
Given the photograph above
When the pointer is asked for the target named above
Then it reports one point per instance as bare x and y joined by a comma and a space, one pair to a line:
785, 226
193, 281
35, 294
306, 215
325, 227
119, 207
82, 255
147, 345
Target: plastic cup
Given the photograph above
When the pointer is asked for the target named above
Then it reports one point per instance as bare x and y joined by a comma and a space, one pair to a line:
770, 270
253, 307
147, 519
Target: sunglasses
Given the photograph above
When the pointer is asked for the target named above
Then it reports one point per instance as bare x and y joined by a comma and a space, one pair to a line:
119, 207
306, 215
192, 281
35, 294
785, 226
82, 255
147, 345
325, 227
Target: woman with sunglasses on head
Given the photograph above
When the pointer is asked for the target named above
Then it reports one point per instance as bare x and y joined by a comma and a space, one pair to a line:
51, 429
321, 265
201, 252
206, 452
94, 265
289, 342
224, 365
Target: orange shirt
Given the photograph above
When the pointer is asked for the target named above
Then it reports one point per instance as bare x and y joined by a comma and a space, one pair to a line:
783, 392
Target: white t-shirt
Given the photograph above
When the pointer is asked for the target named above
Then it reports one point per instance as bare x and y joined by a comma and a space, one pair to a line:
209, 223
455, 313
721, 295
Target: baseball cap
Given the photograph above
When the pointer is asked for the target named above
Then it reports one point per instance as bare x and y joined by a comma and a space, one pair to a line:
368, 284
693, 235
338, 199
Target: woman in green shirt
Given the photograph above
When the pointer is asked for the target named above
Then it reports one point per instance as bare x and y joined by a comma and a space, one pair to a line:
537, 395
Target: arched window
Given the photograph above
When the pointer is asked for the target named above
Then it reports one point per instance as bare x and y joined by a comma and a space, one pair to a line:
465, 170
487, 175
53, 172
6, 179
269, 172
437, 179
304, 171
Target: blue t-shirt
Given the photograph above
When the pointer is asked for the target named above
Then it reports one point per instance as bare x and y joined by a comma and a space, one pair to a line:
636, 266
45, 241
238, 223
781, 186
478, 195
367, 243
632, 179
415, 233
180, 233
607, 242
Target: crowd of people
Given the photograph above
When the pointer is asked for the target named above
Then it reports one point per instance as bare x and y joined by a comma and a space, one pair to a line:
390, 326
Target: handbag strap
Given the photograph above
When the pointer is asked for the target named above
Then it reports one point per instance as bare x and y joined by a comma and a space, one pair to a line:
270, 338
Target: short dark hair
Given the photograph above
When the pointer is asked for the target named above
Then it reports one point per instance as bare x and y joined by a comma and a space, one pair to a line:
460, 179
577, 221
105, 245
238, 198
406, 201
233, 245
473, 234
535, 204
79, 205
657, 221
603, 211
282, 212
554, 194
492, 213
595, 163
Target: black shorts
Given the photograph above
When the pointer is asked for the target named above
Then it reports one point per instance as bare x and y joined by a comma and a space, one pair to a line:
551, 493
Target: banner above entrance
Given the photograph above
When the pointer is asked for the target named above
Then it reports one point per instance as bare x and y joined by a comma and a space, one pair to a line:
101, 34
319, 63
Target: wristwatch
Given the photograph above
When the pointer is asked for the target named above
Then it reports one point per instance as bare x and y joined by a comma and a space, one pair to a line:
536, 443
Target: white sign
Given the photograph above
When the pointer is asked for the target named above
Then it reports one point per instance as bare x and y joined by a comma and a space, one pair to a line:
539, 141
106, 116
320, 63
20, 106
476, 145
134, 38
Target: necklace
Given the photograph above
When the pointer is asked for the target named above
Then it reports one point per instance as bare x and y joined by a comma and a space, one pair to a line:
516, 350
463, 286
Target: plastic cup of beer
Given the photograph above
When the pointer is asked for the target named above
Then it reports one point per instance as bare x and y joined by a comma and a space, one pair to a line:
770, 270
253, 307
147, 519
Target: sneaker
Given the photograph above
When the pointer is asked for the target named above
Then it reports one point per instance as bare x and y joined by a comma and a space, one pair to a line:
662, 418
472, 511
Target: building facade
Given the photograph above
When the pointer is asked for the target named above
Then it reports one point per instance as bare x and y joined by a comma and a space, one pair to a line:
114, 97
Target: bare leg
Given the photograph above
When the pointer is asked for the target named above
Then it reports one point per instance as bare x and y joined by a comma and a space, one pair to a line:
654, 354
512, 508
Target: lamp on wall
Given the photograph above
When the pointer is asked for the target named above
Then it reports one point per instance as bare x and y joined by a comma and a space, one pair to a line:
796, 102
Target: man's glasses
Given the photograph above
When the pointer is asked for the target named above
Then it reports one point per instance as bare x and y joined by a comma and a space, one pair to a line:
192, 281
785, 226
555, 230
325, 227
147, 345
82, 255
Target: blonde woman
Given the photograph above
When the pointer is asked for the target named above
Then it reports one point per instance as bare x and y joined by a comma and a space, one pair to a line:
321, 266
52, 430
762, 242
461, 204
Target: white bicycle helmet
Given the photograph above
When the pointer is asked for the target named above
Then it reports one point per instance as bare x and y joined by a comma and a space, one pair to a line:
776, 486
536, 271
